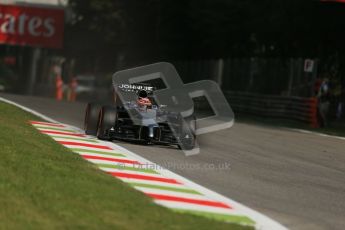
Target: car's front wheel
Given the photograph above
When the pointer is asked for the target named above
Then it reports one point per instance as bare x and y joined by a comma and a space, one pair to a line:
91, 118
107, 120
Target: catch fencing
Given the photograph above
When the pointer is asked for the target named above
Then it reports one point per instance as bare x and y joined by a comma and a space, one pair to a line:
299, 109
281, 107
274, 76
264, 87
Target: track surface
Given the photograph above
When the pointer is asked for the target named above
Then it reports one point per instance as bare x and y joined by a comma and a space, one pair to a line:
295, 178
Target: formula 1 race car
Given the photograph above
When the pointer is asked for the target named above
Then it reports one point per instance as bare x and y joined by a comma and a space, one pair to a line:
141, 120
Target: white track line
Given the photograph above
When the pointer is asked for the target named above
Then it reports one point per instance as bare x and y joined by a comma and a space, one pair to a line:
317, 133
172, 193
104, 155
158, 183
113, 170
195, 207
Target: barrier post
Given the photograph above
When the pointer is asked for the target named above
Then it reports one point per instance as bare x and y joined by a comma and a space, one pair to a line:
313, 103
73, 88
59, 88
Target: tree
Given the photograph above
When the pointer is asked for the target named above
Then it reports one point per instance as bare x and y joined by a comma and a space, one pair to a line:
149, 30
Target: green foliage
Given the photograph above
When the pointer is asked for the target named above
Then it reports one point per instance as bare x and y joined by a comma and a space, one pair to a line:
183, 29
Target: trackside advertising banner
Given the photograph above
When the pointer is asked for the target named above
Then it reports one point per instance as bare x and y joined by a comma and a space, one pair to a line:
31, 26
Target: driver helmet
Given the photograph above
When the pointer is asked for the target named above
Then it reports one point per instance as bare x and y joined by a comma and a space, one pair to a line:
143, 99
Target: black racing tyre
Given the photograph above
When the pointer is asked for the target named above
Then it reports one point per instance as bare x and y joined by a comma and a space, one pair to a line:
91, 118
107, 120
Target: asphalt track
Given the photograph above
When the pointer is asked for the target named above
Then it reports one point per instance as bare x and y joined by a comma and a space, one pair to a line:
295, 178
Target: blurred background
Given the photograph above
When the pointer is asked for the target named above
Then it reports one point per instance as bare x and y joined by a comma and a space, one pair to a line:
272, 58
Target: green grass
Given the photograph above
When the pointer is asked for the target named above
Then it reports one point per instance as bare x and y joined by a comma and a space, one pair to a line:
45, 186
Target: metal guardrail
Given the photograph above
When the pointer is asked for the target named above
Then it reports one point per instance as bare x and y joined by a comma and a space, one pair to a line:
280, 107
292, 108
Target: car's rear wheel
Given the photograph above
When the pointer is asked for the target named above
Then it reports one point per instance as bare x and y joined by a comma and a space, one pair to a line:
107, 120
91, 118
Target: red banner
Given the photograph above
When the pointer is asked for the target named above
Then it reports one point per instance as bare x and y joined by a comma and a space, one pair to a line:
31, 26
